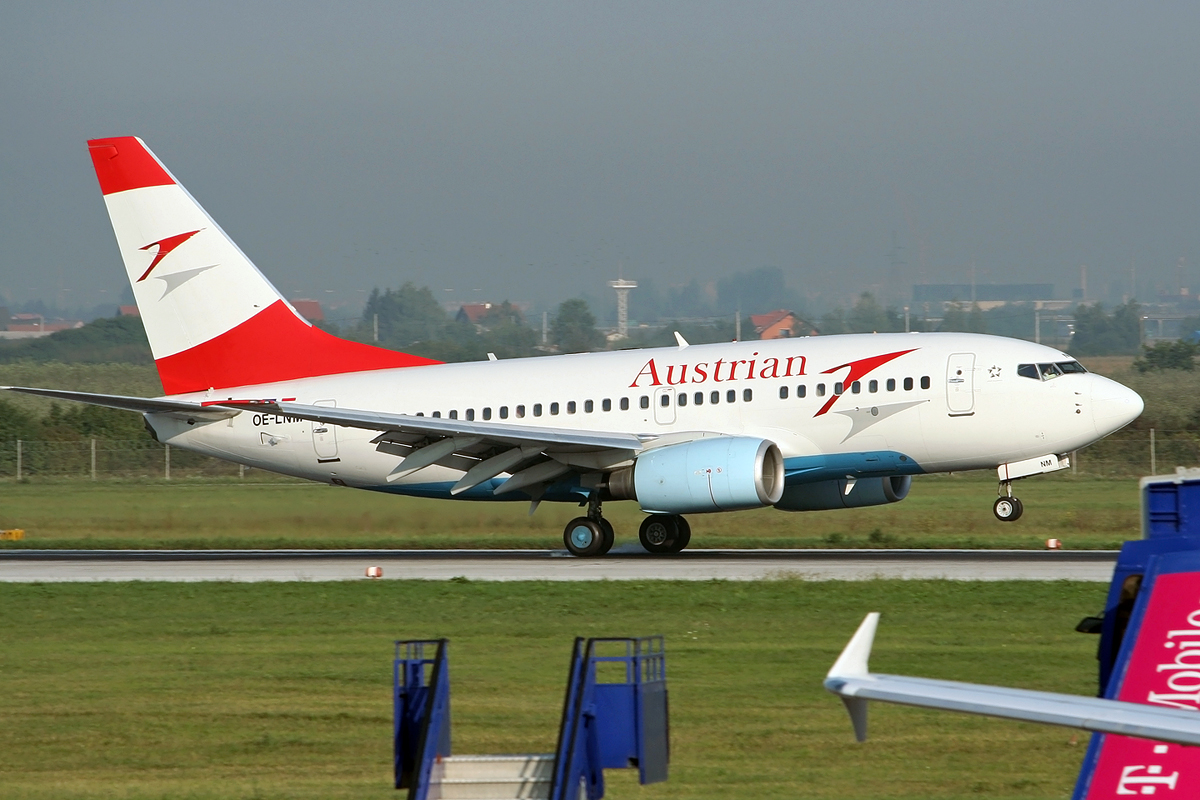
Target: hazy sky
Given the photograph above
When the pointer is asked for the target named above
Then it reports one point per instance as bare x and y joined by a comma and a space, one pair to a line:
527, 151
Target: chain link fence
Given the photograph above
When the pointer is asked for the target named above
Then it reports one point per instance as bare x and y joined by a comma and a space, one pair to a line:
1125, 454
99, 459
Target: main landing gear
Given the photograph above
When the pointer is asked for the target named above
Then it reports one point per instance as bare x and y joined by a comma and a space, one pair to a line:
589, 536
592, 535
1007, 508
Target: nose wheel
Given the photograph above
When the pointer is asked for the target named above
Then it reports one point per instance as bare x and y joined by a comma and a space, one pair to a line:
1007, 508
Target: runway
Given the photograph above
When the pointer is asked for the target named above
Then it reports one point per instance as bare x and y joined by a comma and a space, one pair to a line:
54, 566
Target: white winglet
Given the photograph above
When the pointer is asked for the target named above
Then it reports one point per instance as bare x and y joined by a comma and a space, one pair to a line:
682, 341
852, 663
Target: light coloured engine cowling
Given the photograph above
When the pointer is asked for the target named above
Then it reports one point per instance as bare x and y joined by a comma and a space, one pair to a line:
825, 495
723, 473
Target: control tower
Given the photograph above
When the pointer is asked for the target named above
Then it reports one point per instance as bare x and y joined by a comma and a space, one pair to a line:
622, 286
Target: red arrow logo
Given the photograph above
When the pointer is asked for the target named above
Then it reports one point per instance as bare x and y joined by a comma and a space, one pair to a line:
164, 246
858, 369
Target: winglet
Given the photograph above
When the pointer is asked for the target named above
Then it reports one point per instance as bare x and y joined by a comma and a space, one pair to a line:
682, 341
852, 663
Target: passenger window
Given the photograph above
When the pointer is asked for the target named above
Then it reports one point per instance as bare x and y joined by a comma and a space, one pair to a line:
437, 414
520, 412
820, 390
891, 384
924, 381
683, 398
624, 403
665, 400
698, 399
731, 396
537, 409
503, 412
454, 414
747, 395
873, 387
856, 387
606, 404
801, 390
487, 413
908, 384
1028, 371
470, 415
783, 393
714, 397
644, 402
838, 388
570, 406
420, 413
588, 406
554, 409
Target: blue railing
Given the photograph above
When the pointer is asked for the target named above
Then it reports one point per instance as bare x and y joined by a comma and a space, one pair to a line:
614, 715
421, 706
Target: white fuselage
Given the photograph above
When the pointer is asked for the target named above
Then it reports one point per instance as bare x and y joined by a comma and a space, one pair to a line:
921, 403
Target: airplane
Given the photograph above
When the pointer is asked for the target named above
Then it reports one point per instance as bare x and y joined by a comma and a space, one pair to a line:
799, 424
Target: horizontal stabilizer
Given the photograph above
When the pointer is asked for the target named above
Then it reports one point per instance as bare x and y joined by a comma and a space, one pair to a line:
146, 405
1088, 713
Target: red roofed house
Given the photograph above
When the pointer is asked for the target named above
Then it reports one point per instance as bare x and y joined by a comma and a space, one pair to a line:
781, 324
473, 313
309, 309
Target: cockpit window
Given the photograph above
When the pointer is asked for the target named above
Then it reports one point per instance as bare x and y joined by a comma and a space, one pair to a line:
1046, 372
1049, 371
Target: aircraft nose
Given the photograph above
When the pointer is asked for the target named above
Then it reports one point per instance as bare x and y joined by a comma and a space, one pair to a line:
1113, 406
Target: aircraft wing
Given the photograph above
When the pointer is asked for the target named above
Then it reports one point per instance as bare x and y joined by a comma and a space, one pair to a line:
534, 456
850, 679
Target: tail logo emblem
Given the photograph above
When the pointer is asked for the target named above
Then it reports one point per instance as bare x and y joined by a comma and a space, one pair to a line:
164, 246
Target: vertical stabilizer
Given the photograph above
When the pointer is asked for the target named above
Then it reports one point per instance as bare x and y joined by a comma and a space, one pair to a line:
213, 320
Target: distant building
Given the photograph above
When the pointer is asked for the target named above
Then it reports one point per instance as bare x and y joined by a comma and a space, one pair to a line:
781, 324
128, 311
473, 313
309, 309
987, 295
34, 326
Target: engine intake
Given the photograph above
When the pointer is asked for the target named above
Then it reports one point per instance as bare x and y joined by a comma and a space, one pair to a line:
826, 495
723, 473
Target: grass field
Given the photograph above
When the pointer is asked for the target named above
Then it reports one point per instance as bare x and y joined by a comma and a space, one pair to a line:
136, 691
941, 511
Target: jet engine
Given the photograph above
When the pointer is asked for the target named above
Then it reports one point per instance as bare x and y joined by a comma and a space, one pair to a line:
845, 493
723, 473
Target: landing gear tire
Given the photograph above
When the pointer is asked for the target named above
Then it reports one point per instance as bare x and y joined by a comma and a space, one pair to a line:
1008, 509
664, 533
586, 538
609, 536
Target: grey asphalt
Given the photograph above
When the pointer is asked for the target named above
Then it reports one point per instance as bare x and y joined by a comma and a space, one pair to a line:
50, 566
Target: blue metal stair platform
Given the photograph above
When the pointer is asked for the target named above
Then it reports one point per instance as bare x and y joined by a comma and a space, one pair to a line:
615, 716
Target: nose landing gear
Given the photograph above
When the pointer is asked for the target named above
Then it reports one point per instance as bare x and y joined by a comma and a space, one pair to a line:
1007, 508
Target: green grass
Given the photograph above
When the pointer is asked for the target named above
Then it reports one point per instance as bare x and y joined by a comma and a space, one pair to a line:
149, 690
941, 511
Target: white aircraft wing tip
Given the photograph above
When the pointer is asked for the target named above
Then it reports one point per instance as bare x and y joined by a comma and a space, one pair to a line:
852, 663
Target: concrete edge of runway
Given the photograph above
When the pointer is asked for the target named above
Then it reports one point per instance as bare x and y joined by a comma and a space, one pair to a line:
1034, 556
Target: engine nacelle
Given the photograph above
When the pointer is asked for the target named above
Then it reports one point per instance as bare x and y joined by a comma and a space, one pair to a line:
723, 473
825, 495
